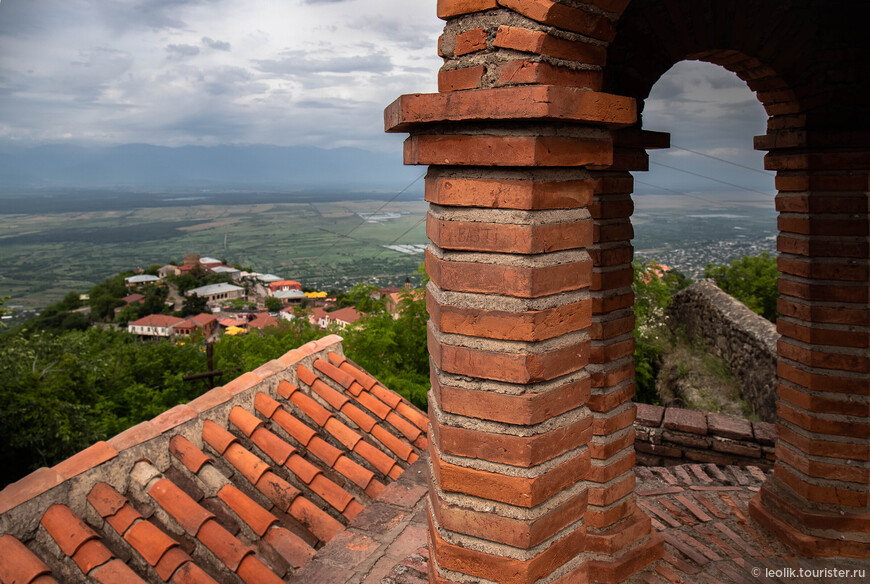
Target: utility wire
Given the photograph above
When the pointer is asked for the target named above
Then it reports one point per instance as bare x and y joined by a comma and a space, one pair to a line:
362, 222
411, 228
710, 156
712, 179
712, 202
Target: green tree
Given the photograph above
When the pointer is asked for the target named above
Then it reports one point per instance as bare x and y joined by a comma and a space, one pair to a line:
193, 305
751, 280
273, 304
362, 296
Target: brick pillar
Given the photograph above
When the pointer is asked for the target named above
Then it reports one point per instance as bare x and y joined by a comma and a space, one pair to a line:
818, 500
616, 528
510, 338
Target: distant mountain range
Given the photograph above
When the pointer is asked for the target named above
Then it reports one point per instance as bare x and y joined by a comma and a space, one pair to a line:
142, 166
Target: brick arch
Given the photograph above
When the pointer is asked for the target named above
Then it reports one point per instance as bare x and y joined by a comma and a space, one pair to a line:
529, 143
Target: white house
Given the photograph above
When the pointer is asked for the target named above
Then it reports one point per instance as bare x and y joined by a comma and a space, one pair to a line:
155, 325
217, 292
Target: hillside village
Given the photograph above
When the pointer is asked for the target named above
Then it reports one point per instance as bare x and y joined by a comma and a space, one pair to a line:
232, 301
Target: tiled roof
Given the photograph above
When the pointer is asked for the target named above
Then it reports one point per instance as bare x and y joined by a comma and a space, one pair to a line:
159, 320
244, 484
214, 289
132, 298
262, 320
349, 314
197, 321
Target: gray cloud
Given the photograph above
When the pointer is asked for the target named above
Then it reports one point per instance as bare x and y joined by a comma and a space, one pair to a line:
181, 51
216, 45
300, 62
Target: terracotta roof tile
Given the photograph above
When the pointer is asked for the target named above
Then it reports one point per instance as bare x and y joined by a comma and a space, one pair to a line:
185, 451
115, 572
221, 542
360, 418
217, 437
378, 459
275, 448
19, 563
257, 518
374, 405
291, 547
362, 378
360, 476
385, 395
180, 506
265, 404
399, 448
418, 419
253, 571
333, 372
338, 465
342, 433
245, 420
310, 408
66, 528
295, 427
186, 572
302, 468
92, 554
247, 463
86, 459
321, 524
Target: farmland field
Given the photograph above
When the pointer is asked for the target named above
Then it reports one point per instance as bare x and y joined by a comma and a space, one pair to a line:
51, 244
49, 249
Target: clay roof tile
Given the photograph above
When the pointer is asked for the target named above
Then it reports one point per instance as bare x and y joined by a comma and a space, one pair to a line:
253, 571
318, 521
124, 518
150, 542
373, 404
305, 374
343, 434
310, 408
106, 500
334, 398
221, 543
399, 448
246, 462
391, 398
291, 547
414, 415
180, 506
364, 379
302, 469
187, 573
294, 426
359, 417
286, 389
275, 448
217, 437
361, 477
408, 430
265, 404
257, 518
115, 572
171, 561
277, 490
324, 450
333, 373
19, 563
245, 420
185, 451
66, 528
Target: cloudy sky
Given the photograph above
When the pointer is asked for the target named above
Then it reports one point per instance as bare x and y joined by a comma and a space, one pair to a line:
290, 72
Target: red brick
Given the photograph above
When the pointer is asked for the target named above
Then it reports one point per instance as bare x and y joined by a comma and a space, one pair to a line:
541, 43
521, 72
649, 415
506, 238
470, 41
508, 193
631, 562
450, 8
460, 79
525, 451
482, 150
518, 280
819, 493
514, 490
564, 17
526, 409
521, 533
519, 326
532, 102
685, 420
509, 367
729, 426
821, 445
503, 569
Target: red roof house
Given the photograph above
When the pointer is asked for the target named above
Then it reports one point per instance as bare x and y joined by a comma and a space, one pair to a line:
284, 285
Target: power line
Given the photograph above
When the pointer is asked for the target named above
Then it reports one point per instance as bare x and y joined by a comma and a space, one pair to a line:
710, 156
742, 188
712, 202
360, 224
411, 228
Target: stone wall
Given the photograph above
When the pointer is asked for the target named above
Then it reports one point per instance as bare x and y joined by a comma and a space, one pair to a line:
743, 339
669, 436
